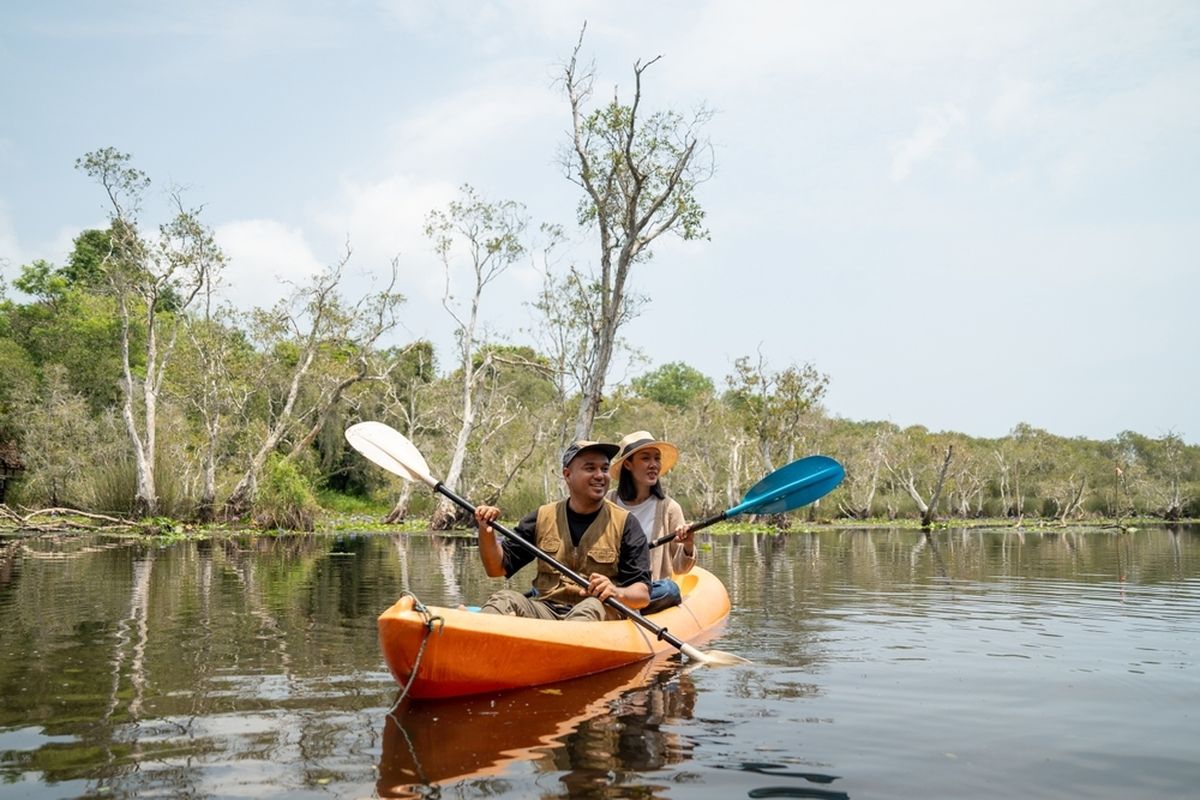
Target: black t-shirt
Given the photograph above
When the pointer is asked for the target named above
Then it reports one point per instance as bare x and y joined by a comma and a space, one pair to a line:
633, 563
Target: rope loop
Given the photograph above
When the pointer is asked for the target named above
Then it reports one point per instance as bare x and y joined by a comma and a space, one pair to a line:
431, 620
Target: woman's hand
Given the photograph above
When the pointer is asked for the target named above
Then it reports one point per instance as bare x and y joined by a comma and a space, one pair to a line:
684, 535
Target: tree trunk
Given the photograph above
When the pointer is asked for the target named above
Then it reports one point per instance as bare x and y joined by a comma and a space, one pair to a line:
400, 509
927, 515
242, 495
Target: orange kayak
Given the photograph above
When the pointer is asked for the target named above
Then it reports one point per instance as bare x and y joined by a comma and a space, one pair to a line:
466, 652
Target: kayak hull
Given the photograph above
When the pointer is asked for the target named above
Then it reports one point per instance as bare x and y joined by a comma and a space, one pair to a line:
457, 652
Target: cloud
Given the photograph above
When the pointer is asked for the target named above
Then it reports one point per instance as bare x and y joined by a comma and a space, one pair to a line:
265, 258
925, 141
1014, 106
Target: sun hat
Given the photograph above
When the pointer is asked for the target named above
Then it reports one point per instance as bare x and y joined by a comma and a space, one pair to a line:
640, 440
575, 448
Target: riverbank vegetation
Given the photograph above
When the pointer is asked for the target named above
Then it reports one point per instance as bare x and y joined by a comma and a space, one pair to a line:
234, 384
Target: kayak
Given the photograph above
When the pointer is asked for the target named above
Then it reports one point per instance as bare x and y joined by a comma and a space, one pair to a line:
456, 652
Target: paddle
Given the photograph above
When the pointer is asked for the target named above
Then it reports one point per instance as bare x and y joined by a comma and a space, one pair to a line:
389, 449
798, 484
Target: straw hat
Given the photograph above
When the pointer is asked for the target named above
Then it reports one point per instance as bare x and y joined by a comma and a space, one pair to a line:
640, 440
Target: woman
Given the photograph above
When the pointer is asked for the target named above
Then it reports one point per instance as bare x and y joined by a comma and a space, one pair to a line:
637, 468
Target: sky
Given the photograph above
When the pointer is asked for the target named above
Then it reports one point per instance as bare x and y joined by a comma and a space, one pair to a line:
967, 215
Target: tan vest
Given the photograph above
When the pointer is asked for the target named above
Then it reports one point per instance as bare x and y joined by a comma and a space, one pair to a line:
599, 549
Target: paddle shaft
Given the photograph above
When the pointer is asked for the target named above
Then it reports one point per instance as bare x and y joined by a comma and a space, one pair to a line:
658, 631
695, 526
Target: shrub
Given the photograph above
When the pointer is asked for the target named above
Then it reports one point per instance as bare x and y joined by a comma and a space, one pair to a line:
284, 498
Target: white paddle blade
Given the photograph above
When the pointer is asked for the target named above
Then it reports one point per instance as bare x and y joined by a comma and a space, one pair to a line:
713, 658
387, 447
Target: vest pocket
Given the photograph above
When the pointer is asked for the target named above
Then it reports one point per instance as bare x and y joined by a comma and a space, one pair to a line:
603, 555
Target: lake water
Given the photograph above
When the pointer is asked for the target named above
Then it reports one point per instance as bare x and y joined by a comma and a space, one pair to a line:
887, 663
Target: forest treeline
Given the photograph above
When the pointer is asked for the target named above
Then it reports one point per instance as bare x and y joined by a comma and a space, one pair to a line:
261, 398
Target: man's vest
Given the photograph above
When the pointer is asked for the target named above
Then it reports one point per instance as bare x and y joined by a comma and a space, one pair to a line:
599, 549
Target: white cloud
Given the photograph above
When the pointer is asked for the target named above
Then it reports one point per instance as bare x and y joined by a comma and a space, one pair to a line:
925, 141
1014, 106
453, 135
265, 258
383, 219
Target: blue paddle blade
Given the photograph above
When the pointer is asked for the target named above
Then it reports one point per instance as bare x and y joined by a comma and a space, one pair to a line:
797, 484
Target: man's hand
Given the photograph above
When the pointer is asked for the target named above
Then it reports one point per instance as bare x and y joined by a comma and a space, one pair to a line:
490, 551
485, 516
601, 587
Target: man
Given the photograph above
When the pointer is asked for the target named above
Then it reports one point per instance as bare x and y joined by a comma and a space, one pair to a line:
585, 532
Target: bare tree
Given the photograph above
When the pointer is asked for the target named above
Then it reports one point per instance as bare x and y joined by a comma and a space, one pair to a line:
913, 472
153, 284
639, 175
405, 391
489, 234
864, 460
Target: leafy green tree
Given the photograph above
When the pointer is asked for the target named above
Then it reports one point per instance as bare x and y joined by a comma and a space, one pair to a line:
43, 280
18, 387
776, 405
1023, 459
673, 384
59, 442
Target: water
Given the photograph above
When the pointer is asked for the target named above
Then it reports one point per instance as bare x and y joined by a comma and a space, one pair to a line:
886, 664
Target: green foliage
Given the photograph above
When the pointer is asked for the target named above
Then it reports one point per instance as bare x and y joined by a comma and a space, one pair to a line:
59, 440
661, 143
673, 384
85, 265
18, 386
111, 483
42, 280
284, 498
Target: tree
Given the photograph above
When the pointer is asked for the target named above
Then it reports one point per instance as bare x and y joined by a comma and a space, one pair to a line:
489, 236
313, 322
18, 386
912, 462
58, 443
141, 274
639, 176
862, 448
404, 401
214, 379
673, 384
1022, 458
775, 405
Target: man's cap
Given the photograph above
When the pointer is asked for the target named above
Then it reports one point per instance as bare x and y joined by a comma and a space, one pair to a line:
582, 446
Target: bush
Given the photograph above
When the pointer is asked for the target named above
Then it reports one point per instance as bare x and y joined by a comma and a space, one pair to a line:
284, 498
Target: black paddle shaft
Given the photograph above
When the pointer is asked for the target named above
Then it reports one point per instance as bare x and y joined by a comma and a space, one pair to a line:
695, 526
658, 631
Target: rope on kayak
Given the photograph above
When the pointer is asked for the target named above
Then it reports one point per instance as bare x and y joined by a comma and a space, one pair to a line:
430, 619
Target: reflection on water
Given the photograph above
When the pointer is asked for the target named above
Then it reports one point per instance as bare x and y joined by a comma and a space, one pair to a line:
887, 663
585, 728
